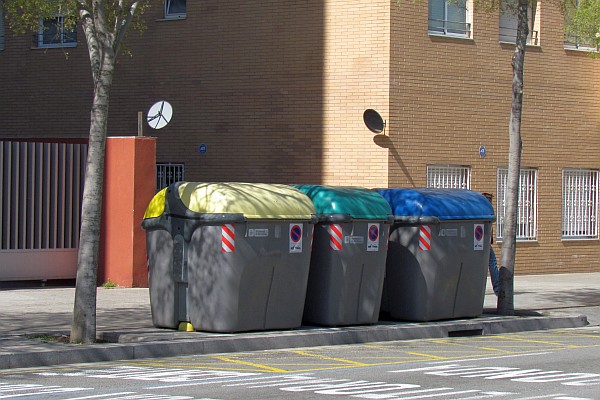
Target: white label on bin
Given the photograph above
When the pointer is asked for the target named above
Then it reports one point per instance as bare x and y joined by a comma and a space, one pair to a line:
373, 237
295, 238
478, 237
448, 232
258, 233
354, 239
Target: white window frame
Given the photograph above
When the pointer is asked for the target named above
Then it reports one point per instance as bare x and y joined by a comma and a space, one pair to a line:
449, 176
61, 28
508, 23
174, 15
167, 173
579, 204
444, 29
527, 204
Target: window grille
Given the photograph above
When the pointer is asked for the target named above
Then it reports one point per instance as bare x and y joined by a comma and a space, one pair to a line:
580, 204
527, 203
167, 173
448, 177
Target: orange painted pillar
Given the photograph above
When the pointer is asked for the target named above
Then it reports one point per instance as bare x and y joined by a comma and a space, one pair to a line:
129, 185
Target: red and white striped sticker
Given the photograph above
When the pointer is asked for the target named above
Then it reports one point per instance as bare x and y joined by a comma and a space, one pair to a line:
425, 237
227, 238
335, 237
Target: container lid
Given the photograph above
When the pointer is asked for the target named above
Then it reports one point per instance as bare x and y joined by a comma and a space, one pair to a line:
357, 202
444, 204
252, 200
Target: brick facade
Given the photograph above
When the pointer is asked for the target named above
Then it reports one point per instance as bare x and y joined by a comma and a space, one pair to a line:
276, 92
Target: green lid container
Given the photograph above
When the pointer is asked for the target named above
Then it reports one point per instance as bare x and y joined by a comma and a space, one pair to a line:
347, 201
252, 200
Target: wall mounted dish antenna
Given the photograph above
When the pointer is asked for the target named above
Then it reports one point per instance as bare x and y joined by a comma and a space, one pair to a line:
159, 114
374, 121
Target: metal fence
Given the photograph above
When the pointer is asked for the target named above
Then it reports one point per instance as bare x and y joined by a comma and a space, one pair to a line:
42, 184
527, 203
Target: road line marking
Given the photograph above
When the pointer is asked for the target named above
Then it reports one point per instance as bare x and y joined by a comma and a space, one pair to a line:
251, 364
431, 356
341, 360
98, 396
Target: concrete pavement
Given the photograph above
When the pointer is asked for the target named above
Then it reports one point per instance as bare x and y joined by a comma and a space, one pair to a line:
31, 319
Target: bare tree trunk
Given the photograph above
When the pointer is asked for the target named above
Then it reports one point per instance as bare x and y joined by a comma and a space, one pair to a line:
505, 304
83, 328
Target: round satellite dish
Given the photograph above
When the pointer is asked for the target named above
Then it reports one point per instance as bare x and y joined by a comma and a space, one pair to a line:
159, 114
373, 121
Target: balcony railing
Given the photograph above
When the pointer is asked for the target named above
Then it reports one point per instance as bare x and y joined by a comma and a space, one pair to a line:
509, 35
450, 28
577, 43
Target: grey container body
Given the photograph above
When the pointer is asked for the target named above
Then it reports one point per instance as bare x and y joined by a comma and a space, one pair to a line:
345, 286
447, 281
260, 285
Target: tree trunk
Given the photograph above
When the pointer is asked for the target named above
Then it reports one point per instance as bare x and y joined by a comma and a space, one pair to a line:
83, 328
505, 304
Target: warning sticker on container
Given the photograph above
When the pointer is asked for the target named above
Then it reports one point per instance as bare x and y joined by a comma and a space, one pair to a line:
478, 237
425, 237
295, 238
373, 237
227, 238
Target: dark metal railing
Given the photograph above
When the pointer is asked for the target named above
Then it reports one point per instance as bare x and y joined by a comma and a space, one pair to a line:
446, 27
576, 42
509, 35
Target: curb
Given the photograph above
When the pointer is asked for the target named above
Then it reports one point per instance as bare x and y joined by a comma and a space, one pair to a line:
139, 346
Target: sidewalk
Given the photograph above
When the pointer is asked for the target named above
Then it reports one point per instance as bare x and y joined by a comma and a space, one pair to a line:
124, 323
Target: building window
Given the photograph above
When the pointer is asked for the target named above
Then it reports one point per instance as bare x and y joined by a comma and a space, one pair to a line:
1, 28
448, 177
527, 203
175, 8
580, 204
572, 40
449, 17
509, 19
52, 32
167, 173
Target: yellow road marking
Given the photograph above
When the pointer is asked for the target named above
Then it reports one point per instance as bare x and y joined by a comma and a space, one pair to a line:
321, 357
261, 367
430, 356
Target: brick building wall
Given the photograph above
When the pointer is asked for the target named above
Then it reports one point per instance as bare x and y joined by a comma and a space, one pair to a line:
276, 92
450, 96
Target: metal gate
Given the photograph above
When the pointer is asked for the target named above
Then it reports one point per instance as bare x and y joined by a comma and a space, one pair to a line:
42, 187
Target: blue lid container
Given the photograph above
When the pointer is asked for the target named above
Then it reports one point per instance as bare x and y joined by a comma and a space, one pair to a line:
414, 205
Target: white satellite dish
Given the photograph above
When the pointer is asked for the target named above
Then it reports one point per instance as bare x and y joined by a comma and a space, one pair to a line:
159, 114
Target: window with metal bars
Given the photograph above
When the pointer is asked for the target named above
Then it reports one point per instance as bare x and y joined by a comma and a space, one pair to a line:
167, 173
580, 204
448, 177
527, 203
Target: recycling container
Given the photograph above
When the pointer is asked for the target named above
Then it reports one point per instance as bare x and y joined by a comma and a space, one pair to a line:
438, 254
347, 264
228, 257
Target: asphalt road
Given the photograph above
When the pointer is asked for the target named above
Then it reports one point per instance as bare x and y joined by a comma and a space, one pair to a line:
560, 365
